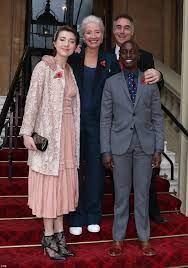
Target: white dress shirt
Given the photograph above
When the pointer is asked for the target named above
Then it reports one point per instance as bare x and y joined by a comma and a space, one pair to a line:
117, 49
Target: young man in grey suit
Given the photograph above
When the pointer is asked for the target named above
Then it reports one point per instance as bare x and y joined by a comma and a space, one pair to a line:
124, 30
132, 138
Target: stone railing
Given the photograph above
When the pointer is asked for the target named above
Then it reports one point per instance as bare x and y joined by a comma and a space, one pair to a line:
170, 98
171, 94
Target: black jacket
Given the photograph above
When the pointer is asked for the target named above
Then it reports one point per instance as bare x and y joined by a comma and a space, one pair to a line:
107, 65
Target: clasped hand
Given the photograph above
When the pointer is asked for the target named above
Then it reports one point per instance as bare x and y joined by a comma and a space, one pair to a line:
156, 160
107, 161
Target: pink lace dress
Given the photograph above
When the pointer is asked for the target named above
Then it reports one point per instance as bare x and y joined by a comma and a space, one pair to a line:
52, 196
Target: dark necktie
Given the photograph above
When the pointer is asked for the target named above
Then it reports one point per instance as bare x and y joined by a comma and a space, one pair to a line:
132, 87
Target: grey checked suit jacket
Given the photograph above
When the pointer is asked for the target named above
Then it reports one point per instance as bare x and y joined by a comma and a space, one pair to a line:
119, 117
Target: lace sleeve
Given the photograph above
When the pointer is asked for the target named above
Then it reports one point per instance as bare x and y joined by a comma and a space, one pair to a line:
33, 99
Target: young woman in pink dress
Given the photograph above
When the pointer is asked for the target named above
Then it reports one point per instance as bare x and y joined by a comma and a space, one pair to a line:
53, 111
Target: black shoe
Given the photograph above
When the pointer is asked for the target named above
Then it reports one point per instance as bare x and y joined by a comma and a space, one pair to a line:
62, 246
51, 248
158, 219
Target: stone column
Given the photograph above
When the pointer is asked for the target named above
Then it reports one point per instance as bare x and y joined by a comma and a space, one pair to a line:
18, 33
120, 7
6, 14
184, 114
169, 32
12, 25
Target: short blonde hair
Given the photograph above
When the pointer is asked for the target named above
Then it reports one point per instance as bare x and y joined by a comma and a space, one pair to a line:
91, 19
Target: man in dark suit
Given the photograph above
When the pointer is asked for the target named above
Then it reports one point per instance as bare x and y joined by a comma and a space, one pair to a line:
132, 139
123, 30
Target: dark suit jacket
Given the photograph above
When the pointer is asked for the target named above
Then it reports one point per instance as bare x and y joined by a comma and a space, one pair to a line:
107, 65
146, 62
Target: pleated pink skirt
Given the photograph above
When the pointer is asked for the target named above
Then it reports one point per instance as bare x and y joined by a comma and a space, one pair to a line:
52, 196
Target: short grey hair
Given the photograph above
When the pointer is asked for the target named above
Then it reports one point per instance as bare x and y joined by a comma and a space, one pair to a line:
123, 16
91, 19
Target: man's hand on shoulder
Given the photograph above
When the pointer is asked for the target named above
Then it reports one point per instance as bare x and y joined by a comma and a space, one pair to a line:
152, 76
78, 49
49, 61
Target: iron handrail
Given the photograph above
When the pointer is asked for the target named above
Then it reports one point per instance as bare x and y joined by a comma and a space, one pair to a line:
174, 119
171, 165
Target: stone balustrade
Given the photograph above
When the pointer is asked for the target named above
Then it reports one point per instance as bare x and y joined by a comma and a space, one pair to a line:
170, 98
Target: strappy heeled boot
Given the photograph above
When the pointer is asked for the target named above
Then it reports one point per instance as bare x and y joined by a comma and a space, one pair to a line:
50, 247
62, 246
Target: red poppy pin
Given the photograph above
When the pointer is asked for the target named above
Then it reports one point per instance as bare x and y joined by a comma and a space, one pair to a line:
122, 65
103, 63
58, 75
142, 80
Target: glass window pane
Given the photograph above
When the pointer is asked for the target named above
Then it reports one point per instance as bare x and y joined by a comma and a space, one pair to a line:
58, 9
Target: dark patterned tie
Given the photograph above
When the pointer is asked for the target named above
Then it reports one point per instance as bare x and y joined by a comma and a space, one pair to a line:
132, 87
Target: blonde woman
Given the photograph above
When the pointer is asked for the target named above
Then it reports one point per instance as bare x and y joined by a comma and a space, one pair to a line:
92, 66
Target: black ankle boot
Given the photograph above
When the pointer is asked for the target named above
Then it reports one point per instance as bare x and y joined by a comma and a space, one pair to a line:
62, 246
50, 246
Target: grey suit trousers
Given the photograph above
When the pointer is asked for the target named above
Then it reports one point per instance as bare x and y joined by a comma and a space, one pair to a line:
133, 166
